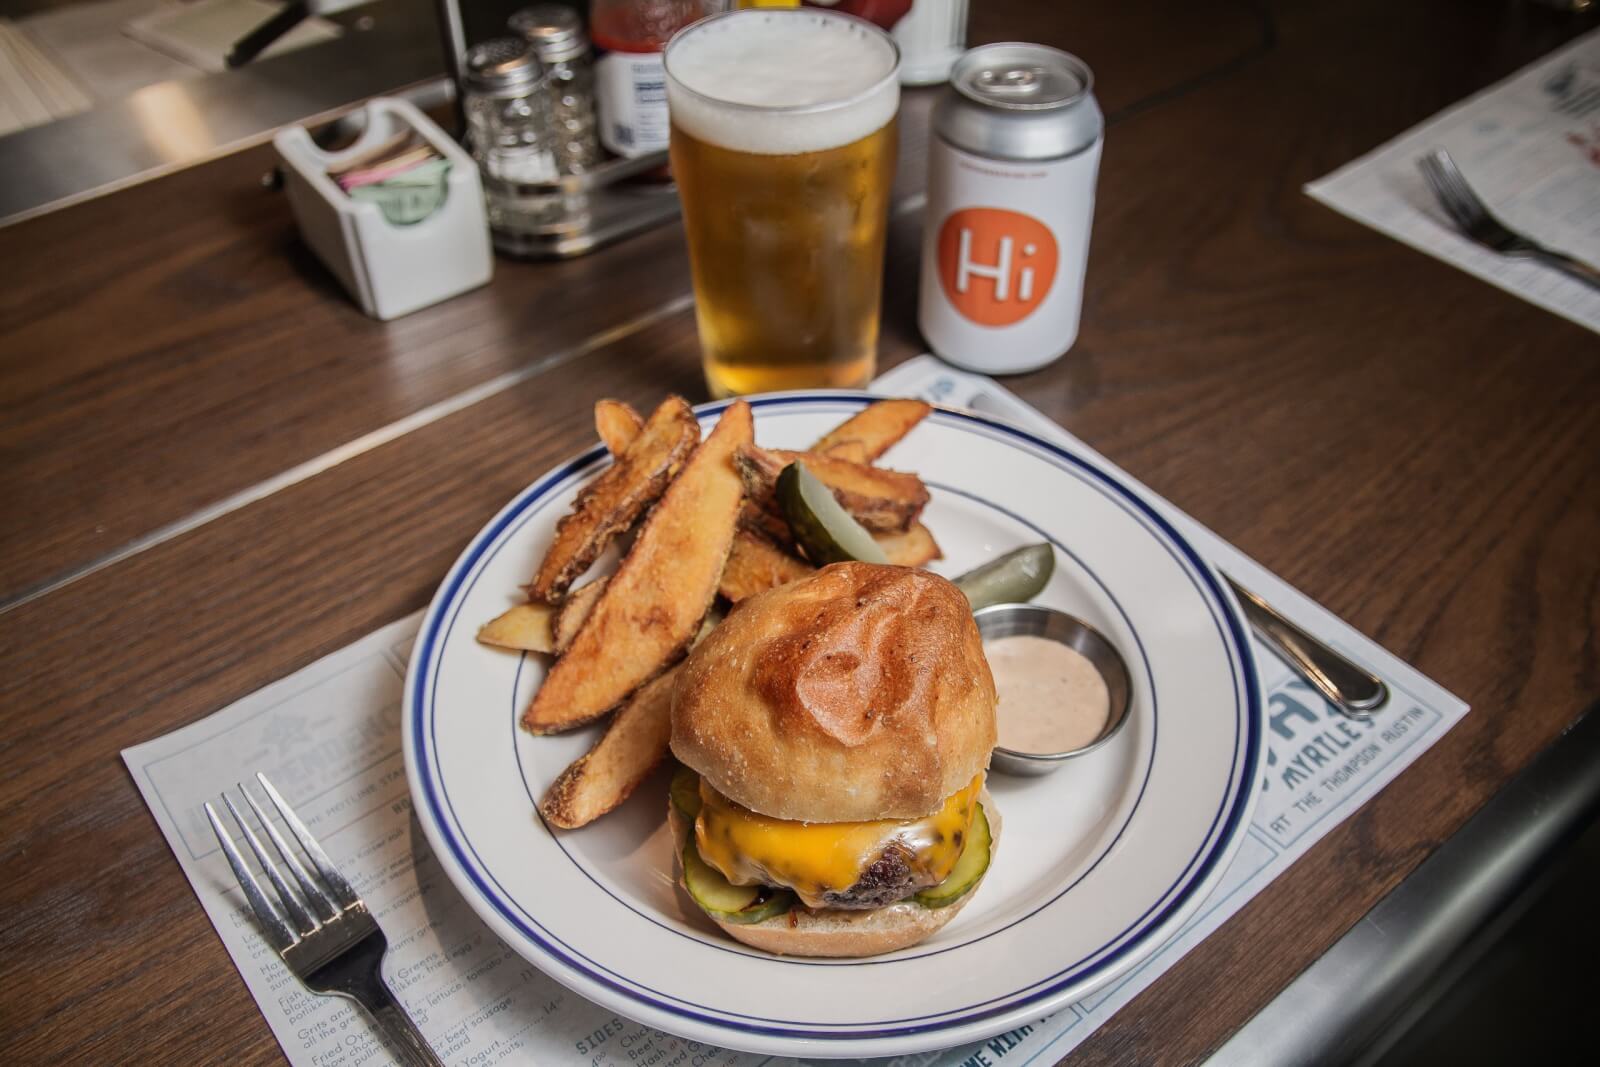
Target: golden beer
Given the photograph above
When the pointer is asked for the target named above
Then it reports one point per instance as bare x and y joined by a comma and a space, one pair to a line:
784, 169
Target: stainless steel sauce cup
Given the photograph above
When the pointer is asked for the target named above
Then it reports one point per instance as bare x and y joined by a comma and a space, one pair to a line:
1031, 620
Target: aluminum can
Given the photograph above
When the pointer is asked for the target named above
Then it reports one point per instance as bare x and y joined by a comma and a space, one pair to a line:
1011, 178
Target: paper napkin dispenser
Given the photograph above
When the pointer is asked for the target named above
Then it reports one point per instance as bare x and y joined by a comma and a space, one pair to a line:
390, 268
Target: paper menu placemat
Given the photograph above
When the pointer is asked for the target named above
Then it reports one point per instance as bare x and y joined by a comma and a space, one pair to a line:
329, 737
1530, 147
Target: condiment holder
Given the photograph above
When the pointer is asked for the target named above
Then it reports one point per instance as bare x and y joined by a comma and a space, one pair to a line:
1032, 620
389, 269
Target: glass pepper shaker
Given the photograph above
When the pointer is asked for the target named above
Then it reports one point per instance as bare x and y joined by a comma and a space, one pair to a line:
508, 121
556, 34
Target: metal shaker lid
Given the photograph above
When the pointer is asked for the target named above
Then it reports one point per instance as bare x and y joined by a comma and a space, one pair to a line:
504, 66
555, 32
1021, 77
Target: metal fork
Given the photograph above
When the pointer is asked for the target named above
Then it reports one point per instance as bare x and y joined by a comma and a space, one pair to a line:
1473, 217
323, 931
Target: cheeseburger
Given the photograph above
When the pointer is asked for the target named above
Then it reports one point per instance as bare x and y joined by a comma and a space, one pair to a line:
834, 734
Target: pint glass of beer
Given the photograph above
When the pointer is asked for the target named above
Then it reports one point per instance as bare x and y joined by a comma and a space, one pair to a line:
783, 147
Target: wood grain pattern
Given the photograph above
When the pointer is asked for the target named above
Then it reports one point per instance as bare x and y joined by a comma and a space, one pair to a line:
1414, 449
175, 343
202, 349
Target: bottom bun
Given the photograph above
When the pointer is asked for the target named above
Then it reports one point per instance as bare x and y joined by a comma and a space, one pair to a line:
839, 931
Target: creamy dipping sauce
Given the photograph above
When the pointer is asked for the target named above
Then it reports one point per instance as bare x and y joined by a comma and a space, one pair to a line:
1052, 699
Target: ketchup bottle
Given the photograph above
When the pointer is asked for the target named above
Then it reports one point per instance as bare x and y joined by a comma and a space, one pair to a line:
630, 78
885, 13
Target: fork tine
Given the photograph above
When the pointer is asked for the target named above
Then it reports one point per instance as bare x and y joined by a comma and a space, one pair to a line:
1452, 173
1464, 191
314, 892
342, 892
279, 933
1444, 192
1456, 183
293, 902
1430, 171
1469, 210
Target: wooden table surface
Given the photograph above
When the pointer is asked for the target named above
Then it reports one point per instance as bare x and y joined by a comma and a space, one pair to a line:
1411, 447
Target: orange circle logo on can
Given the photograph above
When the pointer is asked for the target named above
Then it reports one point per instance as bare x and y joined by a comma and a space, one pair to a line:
996, 266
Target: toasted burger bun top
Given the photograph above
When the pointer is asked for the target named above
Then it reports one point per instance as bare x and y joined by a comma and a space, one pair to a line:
859, 692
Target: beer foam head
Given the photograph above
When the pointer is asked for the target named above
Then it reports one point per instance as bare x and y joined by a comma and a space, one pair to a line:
782, 81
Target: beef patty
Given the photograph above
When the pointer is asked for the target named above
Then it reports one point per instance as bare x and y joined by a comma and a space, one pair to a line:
887, 879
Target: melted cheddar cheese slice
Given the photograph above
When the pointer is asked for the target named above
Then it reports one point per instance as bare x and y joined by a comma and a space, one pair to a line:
816, 858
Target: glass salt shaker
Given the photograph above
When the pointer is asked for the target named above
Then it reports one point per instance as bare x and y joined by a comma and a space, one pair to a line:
508, 119
556, 34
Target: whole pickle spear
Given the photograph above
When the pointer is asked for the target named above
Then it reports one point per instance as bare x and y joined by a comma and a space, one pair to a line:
1014, 578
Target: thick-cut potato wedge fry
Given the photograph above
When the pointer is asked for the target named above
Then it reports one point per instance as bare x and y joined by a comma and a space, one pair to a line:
573, 612
543, 627
879, 499
617, 424
632, 746
870, 432
910, 549
899, 488
655, 602
854, 451
756, 565
525, 628
609, 504
775, 528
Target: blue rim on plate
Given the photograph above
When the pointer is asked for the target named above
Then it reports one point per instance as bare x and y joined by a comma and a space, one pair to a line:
1159, 922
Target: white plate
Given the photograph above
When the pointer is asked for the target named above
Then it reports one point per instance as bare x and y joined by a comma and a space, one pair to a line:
1100, 862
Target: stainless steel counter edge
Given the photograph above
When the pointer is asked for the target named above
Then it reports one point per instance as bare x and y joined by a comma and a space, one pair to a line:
176, 124
1345, 1006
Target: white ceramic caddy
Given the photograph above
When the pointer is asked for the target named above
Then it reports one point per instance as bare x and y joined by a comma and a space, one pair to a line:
389, 270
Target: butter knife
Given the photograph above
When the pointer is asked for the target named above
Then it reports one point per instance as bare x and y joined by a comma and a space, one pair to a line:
1349, 688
